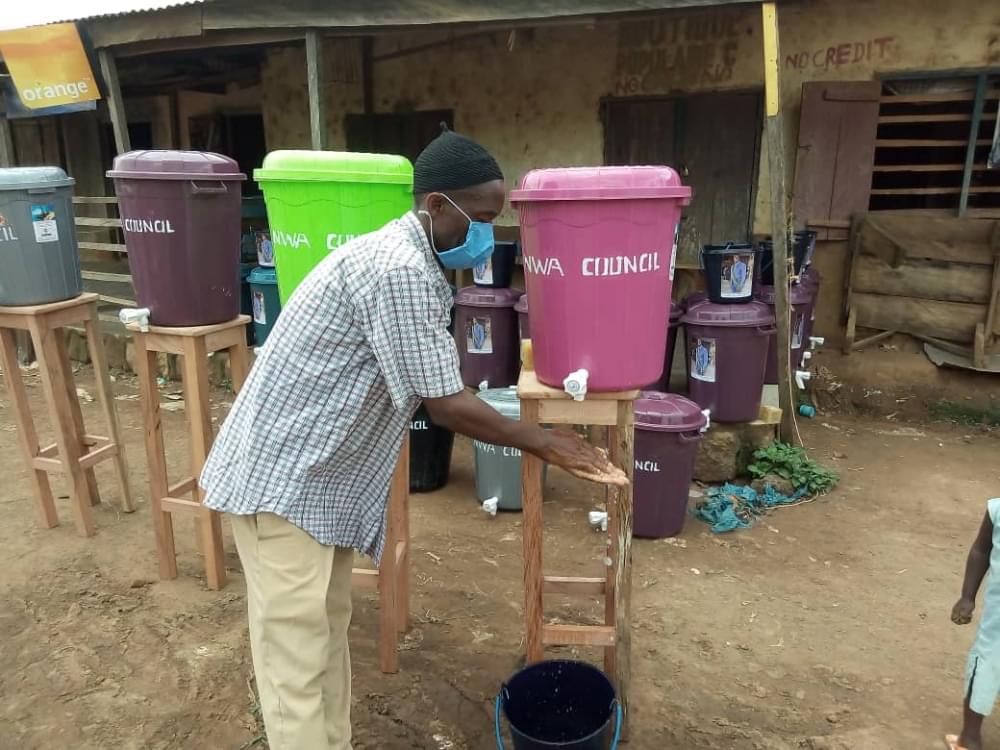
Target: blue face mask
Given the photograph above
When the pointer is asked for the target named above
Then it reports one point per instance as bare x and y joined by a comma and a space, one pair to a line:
477, 248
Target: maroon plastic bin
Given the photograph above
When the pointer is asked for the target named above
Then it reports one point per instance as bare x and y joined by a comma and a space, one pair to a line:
486, 335
523, 318
800, 297
180, 214
727, 356
811, 280
667, 432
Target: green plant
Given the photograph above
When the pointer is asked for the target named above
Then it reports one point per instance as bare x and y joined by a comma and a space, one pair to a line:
792, 464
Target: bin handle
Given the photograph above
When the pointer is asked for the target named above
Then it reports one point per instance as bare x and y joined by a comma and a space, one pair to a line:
685, 437
220, 188
769, 331
496, 718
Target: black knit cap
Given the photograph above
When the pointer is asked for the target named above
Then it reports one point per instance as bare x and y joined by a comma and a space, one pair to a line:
452, 162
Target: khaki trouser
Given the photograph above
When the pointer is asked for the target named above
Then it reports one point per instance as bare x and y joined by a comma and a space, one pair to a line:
299, 607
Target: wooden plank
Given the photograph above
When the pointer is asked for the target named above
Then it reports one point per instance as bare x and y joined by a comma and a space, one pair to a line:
102, 247
94, 457
952, 321
828, 224
571, 586
7, 155
928, 142
927, 168
950, 282
858, 345
531, 496
580, 635
317, 102
92, 221
182, 505
83, 200
199, 413
124, 278
30, 311
116, 105
79, 428
970, 152
891, 236
993, 313
909, 119
163, 525
958, 96
979, 347
529, 387
618, 593
573, 412
937, 191
183, 487
26, 434
38, 463
123, 301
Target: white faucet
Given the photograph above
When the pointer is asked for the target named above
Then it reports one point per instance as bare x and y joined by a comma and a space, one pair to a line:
137, 315
575, 384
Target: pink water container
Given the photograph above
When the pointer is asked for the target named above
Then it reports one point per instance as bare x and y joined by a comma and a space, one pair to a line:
599, 247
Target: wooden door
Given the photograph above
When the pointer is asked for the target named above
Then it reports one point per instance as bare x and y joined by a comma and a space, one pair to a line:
836, 151
712, 140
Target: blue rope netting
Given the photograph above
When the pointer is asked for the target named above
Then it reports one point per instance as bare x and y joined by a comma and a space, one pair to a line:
732, 506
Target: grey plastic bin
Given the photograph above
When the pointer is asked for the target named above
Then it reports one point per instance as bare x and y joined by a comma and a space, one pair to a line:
39, 259
498, 468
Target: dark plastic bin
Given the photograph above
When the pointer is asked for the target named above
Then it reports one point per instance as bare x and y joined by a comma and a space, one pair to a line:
729, 272
430, 453
246, 303
523, 319
180, 214
264, 302
803, 247
799, 297
498, 271
667, 432
663, 384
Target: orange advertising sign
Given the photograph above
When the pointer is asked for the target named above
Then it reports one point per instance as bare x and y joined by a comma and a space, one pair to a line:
48, 65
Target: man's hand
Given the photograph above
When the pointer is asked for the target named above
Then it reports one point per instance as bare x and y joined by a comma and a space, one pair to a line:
961, 613
566, 449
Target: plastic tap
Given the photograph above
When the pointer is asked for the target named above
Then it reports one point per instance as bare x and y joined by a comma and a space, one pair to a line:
801, 377
491, 504
815, 341
598, 519
575, 384
135, 315
708, 420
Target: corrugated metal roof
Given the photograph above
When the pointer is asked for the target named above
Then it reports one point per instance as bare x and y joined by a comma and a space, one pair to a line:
19, 15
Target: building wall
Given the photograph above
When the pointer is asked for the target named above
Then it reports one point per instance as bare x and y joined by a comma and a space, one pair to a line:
533, 96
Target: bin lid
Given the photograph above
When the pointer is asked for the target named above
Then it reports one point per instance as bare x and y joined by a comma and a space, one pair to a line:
175, 165
667, 412
33, 178
504, 400
263, 275
484, 296
245, 269
799, 294
730, 248
522, 304
335, 166
600, 183
748, 315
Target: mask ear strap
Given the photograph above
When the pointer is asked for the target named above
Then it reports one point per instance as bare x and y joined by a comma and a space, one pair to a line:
431, 220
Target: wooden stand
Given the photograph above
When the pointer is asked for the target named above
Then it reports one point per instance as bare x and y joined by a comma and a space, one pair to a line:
193, 345
543, 405
74, 452
392, 579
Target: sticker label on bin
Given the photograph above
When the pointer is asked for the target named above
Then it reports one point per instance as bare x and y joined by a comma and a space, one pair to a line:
265, 249
259, 309
43, 219
479, 336
798, 333
702, 357
737, 276
483, 273
7, 233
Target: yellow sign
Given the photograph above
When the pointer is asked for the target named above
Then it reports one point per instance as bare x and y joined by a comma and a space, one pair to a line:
48, 65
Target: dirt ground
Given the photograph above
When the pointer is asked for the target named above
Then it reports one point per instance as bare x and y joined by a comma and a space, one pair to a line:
823, 627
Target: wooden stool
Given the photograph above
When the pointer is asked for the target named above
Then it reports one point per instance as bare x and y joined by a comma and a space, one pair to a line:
543, 405
193, 344
75, 452
392, 579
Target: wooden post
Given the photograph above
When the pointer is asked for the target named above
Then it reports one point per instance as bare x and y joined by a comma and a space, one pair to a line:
779, 218
618, 602
116, 107
314, 71
6, 143
531, 498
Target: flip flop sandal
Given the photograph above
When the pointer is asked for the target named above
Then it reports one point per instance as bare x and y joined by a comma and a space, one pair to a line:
951, 742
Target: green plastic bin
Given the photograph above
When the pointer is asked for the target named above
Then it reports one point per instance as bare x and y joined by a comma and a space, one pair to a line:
318, 200
264, 302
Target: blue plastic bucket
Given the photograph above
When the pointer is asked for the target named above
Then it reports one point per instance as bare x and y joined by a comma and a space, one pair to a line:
559, 704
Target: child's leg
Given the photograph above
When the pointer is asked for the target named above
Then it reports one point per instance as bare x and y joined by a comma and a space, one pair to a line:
972, 727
